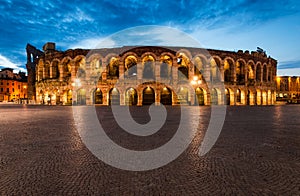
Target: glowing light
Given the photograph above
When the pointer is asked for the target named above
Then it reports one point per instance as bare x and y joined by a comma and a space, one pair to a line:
77, 83
278, 79
193, 82
195, 78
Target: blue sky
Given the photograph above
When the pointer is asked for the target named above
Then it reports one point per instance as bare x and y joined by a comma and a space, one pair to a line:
226, 25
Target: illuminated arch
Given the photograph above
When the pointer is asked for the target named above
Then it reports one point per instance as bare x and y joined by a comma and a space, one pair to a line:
46, 72
148, 96
131, 64
113, 67
98, 96
183, 62
148, 66
199, 66
114, 96
166, 96
54, 69
229, 70
258, 72
131, 96
95, 66
66, 65
166, 63
240, 71
200, 96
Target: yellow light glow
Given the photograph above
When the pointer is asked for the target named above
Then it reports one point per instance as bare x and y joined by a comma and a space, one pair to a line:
278, 79
195, 78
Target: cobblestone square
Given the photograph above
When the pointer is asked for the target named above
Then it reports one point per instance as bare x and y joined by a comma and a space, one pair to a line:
258, 152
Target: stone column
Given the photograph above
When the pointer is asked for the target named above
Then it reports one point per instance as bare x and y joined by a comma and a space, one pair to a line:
157, 95
105, 95
121, 70
139, 71
175, 71
122, 98
140, 97
157, 70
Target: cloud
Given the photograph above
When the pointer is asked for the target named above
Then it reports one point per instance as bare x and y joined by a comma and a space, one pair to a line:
6, 63
140, 35
216, 24
288, 72
289, 64
288, 68
77, 16
92, 43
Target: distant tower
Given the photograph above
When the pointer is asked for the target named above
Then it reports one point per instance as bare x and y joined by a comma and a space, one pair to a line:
32, 56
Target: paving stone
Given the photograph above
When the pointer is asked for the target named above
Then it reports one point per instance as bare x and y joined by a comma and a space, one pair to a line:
257, 153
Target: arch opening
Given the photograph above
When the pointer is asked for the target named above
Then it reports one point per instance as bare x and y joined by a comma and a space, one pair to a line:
114, 97
183, 96
214, 97
81, 97
98, 96
148, 96
199, 96
131, 97
166, 96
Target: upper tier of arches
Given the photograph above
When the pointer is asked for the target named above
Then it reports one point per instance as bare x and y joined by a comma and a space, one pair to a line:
159, 63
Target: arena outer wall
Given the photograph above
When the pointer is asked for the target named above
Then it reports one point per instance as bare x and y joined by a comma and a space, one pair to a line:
122, 75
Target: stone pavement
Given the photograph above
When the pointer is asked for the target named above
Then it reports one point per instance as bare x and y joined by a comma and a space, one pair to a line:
257, 153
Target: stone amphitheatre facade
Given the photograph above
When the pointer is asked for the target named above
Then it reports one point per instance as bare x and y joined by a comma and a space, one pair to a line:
143, 75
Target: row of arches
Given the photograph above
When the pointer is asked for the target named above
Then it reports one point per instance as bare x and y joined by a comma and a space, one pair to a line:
249, 97
149, 95
166, 66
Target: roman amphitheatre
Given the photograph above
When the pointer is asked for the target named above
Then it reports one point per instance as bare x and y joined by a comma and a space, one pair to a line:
145, 75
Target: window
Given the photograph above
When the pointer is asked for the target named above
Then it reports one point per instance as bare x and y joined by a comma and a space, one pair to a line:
13, 90
7, 90
1, 89
18, 86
